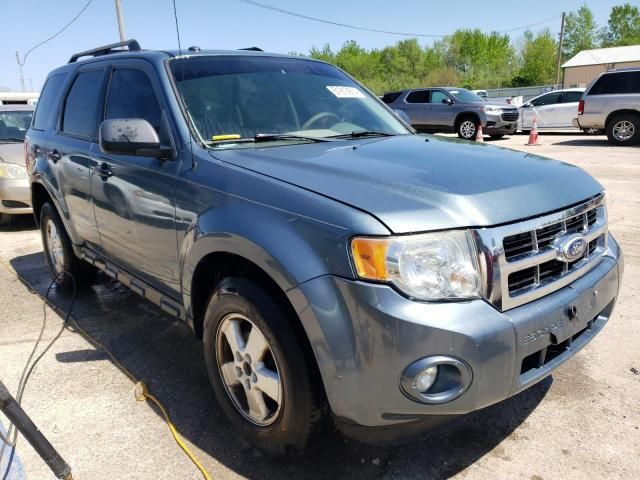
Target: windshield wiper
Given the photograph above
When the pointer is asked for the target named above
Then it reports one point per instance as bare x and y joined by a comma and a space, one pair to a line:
267, 137
364, 133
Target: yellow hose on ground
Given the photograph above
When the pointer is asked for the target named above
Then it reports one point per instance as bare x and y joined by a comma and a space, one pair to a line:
141, 391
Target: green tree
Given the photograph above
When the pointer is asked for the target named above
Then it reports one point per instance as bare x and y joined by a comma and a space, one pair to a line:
581, 32
623, 27
538, 56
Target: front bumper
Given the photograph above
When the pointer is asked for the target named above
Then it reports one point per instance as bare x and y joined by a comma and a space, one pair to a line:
15, 196
494, 125
364, 335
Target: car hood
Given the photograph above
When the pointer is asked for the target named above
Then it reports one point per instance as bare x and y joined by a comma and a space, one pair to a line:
12, 153
416, 183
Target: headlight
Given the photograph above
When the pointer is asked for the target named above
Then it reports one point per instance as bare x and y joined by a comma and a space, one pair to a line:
439, 265
489, 109
11, 170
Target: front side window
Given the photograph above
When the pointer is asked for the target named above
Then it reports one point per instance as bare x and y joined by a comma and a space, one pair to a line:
81, 106
244, 96
438, 96
131, 95
14, 125
548, 99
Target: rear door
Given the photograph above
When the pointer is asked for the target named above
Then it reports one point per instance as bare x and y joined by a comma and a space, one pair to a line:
68, 150
415, 106
567, 109
134, 196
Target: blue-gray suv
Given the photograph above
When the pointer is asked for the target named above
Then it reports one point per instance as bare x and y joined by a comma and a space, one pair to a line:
340, 269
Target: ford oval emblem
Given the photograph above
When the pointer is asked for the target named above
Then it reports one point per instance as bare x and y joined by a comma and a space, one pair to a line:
571, 247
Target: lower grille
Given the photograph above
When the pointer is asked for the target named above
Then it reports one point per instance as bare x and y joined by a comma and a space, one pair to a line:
510, 116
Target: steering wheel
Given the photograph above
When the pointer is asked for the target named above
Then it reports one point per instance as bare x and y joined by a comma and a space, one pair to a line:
317, 117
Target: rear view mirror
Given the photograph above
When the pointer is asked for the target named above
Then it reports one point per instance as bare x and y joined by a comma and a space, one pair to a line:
131, 136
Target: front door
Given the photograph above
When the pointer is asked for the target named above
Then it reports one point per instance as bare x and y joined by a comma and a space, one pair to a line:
440, 112
543, 110
134, 196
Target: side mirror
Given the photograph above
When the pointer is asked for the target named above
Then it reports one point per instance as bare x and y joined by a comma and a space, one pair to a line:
403, 115
131, 136
526, 105
447, 101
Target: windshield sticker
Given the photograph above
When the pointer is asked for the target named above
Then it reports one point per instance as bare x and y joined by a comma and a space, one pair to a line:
345, 92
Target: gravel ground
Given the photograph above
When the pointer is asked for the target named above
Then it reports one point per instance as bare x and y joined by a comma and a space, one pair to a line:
583, 422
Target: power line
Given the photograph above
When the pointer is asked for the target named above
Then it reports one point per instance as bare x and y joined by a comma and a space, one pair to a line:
24, 59
375, 30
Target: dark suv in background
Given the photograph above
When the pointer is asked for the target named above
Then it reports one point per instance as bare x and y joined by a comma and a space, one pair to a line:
456, 110
340, 269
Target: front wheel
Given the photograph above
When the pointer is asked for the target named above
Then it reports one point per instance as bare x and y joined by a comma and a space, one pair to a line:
58, 251
624, 130
265, 384
468, 128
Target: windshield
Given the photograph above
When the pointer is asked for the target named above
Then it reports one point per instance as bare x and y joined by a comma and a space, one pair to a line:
14, 125
240, 97
464, 95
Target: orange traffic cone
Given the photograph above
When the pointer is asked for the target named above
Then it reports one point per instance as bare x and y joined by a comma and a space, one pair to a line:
533, 135
479, 136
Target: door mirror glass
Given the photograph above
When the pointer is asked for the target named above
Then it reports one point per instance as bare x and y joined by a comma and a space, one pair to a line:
131, 136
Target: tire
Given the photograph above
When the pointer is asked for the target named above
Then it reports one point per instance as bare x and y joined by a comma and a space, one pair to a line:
298, 418
58, 251
497, 136
624, 130
5, 219
467, 128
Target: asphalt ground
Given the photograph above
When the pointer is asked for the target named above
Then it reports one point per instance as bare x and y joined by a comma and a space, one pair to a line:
583, 422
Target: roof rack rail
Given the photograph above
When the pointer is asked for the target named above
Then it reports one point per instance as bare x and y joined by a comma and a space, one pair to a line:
132, 46
253, 49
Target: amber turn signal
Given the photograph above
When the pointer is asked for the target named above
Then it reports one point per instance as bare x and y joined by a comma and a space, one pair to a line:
369, 256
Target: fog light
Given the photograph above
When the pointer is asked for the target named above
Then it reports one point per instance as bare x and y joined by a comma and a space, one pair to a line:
424, 379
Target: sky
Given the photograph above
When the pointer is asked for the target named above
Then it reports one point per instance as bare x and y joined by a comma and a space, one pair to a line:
231, 24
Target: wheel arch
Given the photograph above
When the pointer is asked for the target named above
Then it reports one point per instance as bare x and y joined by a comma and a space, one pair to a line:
625, 111
39, 196
462, 115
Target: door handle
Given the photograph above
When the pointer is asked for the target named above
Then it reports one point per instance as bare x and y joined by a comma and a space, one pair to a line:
103, 171
54, 156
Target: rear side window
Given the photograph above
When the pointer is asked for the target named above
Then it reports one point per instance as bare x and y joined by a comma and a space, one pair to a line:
571, 97
391, 97
131, 95
616, 83
548, 99
48, 101
419, 96
81, 106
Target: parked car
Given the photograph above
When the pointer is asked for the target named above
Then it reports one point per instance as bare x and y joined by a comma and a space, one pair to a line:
551, 111
612, 103
15, 196
453, 110
481, 93
340, 269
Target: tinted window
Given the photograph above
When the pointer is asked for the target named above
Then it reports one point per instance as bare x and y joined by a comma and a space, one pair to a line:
621, 82
131, 95
48, 101
571, 97
419, 96
437, 96
391, 97
548, 99
81, 106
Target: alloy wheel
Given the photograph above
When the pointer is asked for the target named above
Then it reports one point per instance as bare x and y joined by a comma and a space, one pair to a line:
248, 369
54, 246
623, 131
468, 129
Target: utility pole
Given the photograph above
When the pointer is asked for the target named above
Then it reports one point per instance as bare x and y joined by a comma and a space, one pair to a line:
560, 51
123, 37
20, 68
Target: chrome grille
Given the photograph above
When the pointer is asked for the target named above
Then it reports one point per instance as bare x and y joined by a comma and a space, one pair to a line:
522, 260
510, 115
